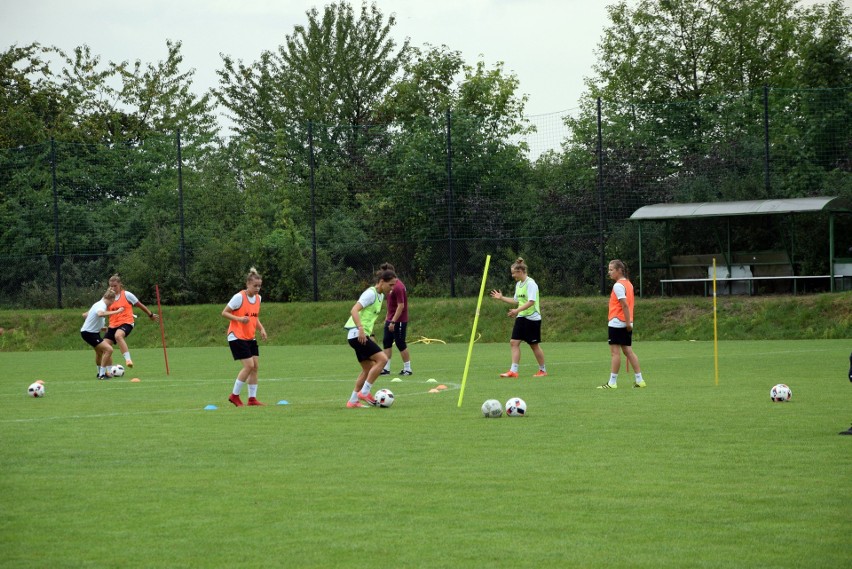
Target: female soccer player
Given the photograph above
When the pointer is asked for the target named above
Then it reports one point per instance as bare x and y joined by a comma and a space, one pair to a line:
243, 310
362, 316
396, 325
91, 332
621, 326
527, 317
121, 323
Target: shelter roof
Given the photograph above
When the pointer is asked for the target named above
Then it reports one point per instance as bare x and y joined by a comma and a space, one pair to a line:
752, 207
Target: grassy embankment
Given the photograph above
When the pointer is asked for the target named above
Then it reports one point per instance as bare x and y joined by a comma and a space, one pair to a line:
823, 316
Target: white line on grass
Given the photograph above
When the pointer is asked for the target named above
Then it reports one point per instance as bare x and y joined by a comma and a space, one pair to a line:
450, 387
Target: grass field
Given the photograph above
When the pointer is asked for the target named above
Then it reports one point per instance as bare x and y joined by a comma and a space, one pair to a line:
681, 474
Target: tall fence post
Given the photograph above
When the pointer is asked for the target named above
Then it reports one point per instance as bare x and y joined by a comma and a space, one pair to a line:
180, 209
313, 210
56, 257
767, 185
601, 203
450, 204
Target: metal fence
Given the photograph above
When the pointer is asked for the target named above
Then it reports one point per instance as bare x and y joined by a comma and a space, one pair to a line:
317, 211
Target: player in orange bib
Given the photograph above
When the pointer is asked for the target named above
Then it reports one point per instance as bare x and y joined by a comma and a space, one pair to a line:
243, 310
121, 323
620, 326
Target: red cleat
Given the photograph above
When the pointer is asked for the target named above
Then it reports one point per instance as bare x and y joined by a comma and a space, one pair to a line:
369, 399
540, 374
235, 399
254, 402
509, 374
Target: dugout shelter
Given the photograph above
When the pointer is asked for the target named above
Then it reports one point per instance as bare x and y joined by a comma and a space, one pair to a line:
740, 272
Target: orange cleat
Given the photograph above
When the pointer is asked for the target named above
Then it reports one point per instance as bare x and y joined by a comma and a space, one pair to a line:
369, 399
509, 374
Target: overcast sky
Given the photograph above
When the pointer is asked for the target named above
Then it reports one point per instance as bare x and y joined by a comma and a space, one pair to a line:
548, 44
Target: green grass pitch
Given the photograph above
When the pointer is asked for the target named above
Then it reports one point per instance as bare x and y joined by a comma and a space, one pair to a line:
681, 474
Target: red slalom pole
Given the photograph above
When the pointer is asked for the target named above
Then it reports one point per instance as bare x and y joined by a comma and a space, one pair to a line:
162, 327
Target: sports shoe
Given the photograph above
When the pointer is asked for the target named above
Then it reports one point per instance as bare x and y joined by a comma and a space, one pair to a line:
235, 399
607, 386
406, 372
128, 363
509, 373
640, 384
254, 401
351, 405
367, 398
384, 372
540, 373
104, 376
846, 432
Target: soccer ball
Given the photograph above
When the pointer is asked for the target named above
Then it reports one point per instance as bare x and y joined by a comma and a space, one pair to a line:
780, 393
384, 398
117, 371
36, 390
492, 409
516, 407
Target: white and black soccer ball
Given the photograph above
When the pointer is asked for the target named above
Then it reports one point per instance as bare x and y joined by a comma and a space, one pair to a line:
117, 371
516, 407
492, 409
36, 390
384, 398
780, 393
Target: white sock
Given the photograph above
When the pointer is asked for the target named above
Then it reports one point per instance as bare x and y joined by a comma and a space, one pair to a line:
252, 390
238, 387
387, 365
366, 389
406, 365
126, 356
354, 397
101, 370
639, 377
613, 379
542, 368
514, 368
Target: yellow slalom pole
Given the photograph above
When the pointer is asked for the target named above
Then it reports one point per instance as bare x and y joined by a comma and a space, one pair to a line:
715, 328
473, 331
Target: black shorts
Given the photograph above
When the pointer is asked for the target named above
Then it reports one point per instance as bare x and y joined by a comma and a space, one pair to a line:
620, 336
92, 338
396, 337
527, 330
244, 349
110, 335
364, 351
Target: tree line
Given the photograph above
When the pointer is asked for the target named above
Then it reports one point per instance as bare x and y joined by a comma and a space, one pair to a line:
349, 149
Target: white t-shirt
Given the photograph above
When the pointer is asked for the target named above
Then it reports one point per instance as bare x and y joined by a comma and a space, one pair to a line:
95, 323
237, 301
620, 292
131, 298
532, 294
367, 298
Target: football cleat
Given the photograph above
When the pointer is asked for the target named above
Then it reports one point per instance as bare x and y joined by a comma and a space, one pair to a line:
369, 399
